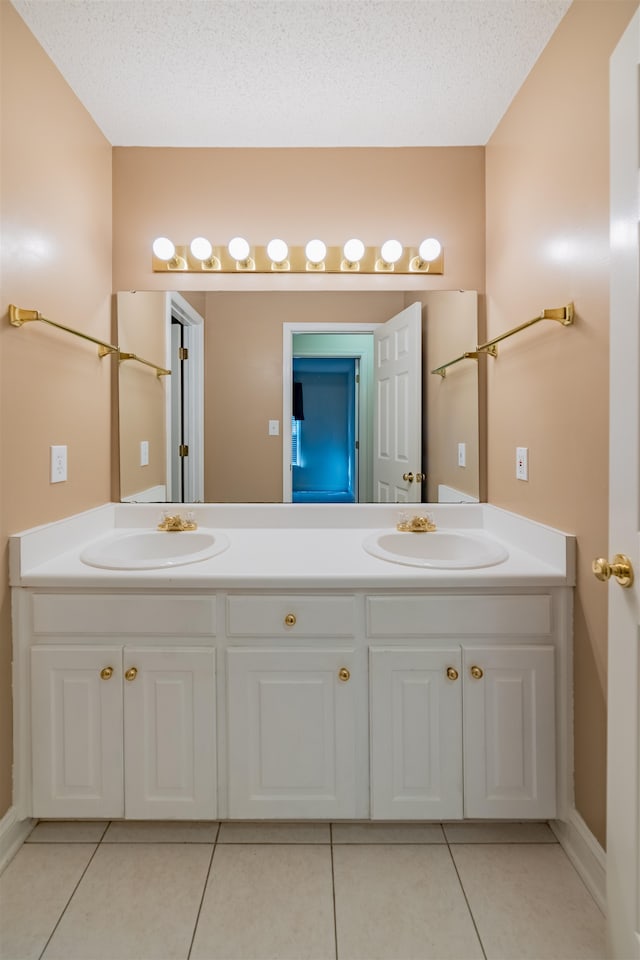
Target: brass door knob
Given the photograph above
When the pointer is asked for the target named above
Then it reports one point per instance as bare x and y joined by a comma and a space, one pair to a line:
477, 673
452, 673
106, 673
131, 673
409, 477
290, 620
621, 569
420, 477
344, 674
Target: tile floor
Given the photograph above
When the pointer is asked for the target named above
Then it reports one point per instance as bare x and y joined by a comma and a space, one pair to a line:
305, 891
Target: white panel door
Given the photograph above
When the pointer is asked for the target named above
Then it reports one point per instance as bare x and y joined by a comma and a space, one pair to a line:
623, 723
416, 734
398, 407
291, 728
76, 717
170, 733
509, 732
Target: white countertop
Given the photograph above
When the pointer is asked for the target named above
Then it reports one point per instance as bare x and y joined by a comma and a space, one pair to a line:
285, 547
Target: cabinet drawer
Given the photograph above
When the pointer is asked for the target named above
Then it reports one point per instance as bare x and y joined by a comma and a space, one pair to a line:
479, 616
286, 616
153, 615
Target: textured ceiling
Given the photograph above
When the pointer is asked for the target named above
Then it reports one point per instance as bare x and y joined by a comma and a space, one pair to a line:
294, 73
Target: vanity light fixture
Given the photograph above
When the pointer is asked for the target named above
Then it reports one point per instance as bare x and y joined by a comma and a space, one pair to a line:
164, 249
278, 251
353, 252
428, 252
239, 255
315, 252
240, 251
202, 251
390, 253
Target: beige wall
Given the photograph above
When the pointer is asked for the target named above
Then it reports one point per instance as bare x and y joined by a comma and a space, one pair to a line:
450, 329
56, 258
332, 193
547, 244
142, 395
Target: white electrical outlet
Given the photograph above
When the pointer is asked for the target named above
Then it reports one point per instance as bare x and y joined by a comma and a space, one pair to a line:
462, 454
58, 464
144, 453
522, 463
274, 428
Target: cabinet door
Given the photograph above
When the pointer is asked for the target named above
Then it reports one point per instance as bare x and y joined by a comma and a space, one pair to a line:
416, 733
291, 726
170, 733
509, 732
76, 717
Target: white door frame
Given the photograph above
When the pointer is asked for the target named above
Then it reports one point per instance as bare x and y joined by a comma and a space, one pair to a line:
194, 397
288, 332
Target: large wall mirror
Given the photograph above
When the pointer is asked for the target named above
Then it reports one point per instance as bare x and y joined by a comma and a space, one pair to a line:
272, 396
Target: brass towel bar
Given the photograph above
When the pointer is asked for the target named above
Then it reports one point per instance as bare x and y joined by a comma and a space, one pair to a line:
563, 315
18, 316
160, 371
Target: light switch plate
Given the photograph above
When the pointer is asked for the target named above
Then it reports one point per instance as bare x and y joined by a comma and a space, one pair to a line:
274, 428
462, 454
144, 453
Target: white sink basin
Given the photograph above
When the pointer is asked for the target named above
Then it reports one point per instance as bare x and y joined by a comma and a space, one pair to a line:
153, 549
445, 549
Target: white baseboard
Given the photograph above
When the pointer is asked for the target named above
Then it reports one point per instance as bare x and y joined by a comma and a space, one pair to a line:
585, 854
12, 835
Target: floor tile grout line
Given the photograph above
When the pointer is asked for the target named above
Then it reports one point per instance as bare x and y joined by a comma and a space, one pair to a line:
333, 891
204, 890
466, 898
66, 906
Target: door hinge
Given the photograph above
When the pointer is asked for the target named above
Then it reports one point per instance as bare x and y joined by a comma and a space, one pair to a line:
183, 450
183, 353
357, 378
357, 444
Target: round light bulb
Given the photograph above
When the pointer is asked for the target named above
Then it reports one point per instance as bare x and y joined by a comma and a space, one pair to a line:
277, 251
239, 249
201, 249
163, 248
430, 249
391, 251
315, 251
353, 250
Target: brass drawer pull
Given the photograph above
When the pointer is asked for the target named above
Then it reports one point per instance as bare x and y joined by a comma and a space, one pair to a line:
131, 673
290, 620
344, 674
452, 673
106, 673
477, 673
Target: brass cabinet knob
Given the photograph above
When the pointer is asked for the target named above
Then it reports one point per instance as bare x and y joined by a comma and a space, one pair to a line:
131, 673
290, 620
477, 673
409, 477
621, 569
106, 673
344, 674
452, 673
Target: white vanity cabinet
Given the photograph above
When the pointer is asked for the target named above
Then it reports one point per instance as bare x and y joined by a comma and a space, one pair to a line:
296, 695
462, 728
123, 732
461, 732
122, 696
